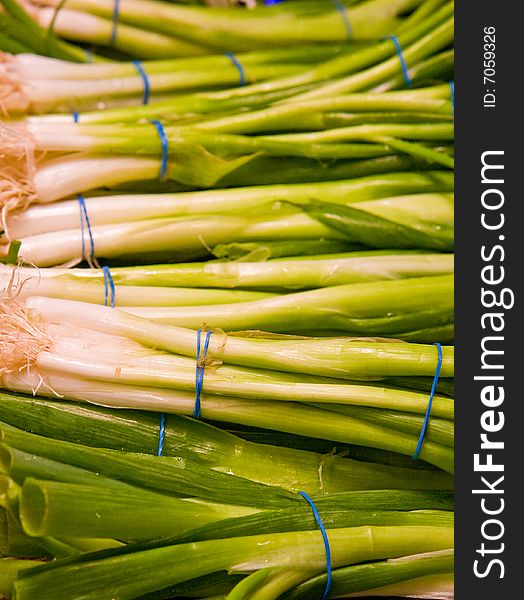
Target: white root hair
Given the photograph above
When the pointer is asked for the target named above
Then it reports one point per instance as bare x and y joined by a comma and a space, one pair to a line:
18, 166
23, 334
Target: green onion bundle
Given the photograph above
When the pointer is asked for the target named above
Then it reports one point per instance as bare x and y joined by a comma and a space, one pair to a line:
52, 346
187, 226
67, 500
164, 29
33, 84
226, 295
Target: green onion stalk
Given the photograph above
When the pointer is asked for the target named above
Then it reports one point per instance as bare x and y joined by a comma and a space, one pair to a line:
106, 209
378, 574
171, 476
33, 84
272, 249
140, 515
195, 283
30, 546
341, 358
217, 29
143, 139
94, 31
429, 102
130, 574
96, 512
33, 284
68, 502
54, 344
220, 451
412, 222
27, 344
417, 309
316, 472
9, 570
190, 167
299, 442
292, 417
46, 91
293, 470
378, 64
433, 42
439, 429
21, 33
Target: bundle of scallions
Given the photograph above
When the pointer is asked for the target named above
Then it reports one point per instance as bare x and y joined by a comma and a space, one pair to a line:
94, 497
158, 29
226, 299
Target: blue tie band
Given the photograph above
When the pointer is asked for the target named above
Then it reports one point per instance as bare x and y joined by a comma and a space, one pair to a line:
200, 368
165, 148
430, 402
84, 222
161, 435
326, 542
345, 17
109, 286
400, 55
116, 16
241, 73
145, 79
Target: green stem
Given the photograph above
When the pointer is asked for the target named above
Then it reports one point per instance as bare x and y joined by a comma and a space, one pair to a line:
163, 475
439, 430
9, 570
291, 418
135, 431
392, 308
66, 509
275, 275
341, 358
131, 574
377, 574
437, 39
158, 371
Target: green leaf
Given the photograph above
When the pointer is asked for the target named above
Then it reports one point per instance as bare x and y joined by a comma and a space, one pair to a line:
363, 227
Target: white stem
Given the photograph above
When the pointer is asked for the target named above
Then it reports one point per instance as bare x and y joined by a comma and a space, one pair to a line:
66, 176
29, 283
189, 238
103, 210
334, 357
235, 382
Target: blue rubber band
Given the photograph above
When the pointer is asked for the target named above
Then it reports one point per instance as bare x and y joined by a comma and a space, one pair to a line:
400, 55
76, 116
161, 435
200, 368
241, 73
84, 221
430, 402
452, 90
345, 17
140, 68
165, 147
109, 284
326, 542
116, 16
272, 2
